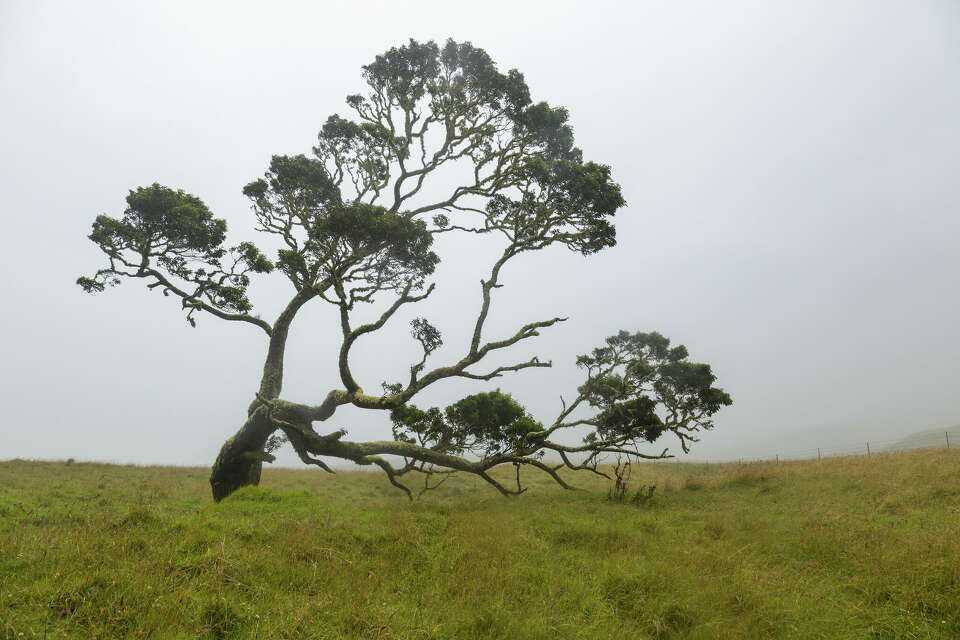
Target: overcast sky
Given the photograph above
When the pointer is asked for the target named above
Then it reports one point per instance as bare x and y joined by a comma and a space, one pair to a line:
790, 168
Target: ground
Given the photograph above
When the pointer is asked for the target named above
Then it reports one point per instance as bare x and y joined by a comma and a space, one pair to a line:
843, 548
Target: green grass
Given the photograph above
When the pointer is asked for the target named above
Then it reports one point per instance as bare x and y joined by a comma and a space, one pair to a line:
844, 548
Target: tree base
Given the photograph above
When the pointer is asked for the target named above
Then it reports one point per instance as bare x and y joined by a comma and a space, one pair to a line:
240, 460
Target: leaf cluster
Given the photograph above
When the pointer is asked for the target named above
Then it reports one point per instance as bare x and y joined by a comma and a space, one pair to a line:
330, 240
175, 231
643, 387
345, 216
485, 424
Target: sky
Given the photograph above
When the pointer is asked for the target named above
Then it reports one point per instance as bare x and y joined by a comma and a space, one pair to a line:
790, 169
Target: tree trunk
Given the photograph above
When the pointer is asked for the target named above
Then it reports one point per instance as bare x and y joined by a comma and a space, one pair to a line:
241, 457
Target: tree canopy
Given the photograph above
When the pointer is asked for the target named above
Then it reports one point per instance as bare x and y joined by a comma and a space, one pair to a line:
354, 225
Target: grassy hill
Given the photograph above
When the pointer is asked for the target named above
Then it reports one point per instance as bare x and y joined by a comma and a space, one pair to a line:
845, 548
928, 439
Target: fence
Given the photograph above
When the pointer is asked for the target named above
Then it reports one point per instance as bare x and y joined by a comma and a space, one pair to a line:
926, 440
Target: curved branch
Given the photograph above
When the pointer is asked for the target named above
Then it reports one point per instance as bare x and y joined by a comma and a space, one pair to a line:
533, 362
459, 369
350, 335
499, 487
191, 301
584, 466
603, 448
389, 470
551, 471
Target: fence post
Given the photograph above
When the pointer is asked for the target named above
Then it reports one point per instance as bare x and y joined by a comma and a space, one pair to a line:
818, 455
947, 433
868, 449
778, 458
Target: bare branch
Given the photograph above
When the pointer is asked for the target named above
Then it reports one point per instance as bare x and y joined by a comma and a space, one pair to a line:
389, 470
350, 335
533, 362
603, 448
427, 474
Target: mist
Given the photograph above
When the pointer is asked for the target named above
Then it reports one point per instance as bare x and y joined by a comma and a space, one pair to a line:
790, 172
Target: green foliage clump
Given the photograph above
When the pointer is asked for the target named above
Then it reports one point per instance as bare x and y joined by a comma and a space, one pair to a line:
176, 233
643, 388
484, 423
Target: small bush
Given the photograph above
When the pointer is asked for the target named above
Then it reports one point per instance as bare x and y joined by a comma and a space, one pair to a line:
620, 491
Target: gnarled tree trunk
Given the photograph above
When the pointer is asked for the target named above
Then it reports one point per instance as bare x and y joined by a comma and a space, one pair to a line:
241, 458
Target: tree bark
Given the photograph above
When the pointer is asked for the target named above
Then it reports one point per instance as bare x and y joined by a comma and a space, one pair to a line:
241, 458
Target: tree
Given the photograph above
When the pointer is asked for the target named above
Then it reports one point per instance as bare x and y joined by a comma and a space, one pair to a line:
353, 227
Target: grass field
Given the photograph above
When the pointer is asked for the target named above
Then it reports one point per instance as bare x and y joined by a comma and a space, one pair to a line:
844, 548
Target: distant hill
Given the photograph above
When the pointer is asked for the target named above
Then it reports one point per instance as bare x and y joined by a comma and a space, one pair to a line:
929, 438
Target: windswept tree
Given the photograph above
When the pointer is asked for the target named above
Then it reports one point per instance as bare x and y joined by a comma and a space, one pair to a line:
354, 226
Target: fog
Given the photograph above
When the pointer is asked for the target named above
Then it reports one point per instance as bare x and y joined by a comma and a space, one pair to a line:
790, 171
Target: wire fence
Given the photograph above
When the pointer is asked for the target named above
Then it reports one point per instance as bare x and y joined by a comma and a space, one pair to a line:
930, 440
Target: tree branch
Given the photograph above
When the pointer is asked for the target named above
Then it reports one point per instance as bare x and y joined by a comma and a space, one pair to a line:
533, 362
350, 335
